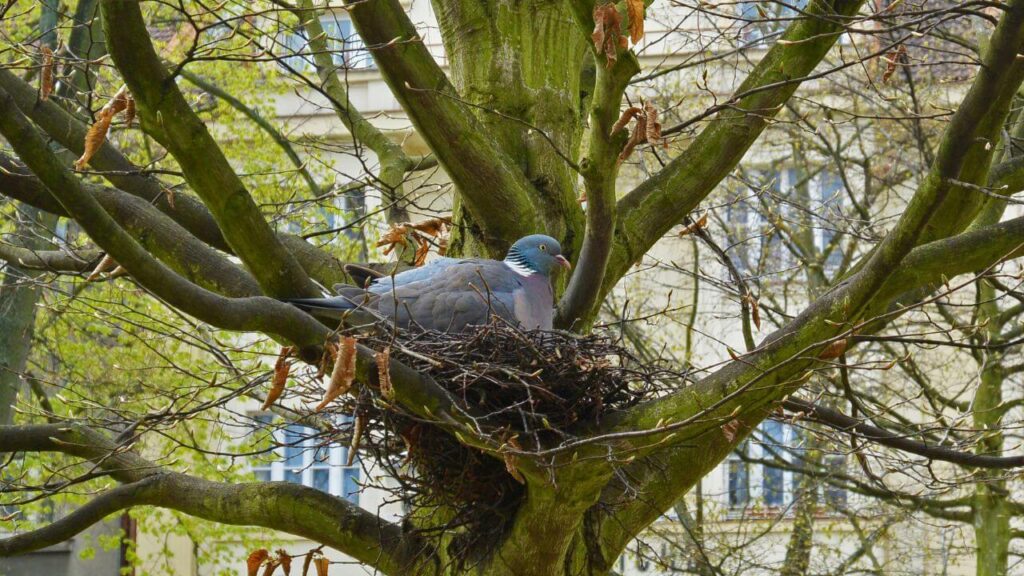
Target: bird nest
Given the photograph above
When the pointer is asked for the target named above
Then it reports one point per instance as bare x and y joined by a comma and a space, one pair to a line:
525, 388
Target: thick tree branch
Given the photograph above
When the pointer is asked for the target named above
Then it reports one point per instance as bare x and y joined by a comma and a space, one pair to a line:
258, 314
600, 168
154, 230
284, 506
745, 390
494, 189
167, 116
186, 210
652, 208
117, 169
254, 115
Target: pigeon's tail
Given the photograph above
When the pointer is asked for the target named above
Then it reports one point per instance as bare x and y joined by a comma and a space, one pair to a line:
334, 307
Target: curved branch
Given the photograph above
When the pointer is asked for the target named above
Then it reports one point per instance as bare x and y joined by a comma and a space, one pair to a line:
113, 500
849, 425
651, 209
188, 211
252, 114
579, 305
495, 190
167, 116
48, 260
284, 506
158, 233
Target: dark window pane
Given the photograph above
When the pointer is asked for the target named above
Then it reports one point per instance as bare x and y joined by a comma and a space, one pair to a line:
349, 484
262, 475
773, 434
322, 479
739, 484
773, 487
293, 438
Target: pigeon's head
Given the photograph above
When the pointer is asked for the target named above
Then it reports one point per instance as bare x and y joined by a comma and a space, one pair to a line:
537, 253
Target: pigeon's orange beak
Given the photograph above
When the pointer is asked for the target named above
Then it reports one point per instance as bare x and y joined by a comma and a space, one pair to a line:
563, 262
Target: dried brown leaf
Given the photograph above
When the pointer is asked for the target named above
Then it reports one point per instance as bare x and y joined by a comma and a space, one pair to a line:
434, 226
46, 81
322, 564
653, 127
357, 434
635, 11
627, 115
94, 138
255, 560
97, 133
755, 311
636, 138
281, 370
383, 359
306, 563
285, 560
893, 61
512, 462
129, 112
106, 263
700, 224
607, 34
344, 372
834, 349
511, 465
731, 428
598, 35
422, 250
393, 237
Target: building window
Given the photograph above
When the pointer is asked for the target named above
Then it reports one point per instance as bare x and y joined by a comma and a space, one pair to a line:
757, 483
303, 458
773, 481
739, 484
758, 246
346, 48
760, 20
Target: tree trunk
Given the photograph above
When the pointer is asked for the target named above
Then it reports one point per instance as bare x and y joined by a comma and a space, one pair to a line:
801, 541
991, 508
17, 315
519, 65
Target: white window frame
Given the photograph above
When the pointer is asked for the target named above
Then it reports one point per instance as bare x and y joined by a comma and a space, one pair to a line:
341, 35
755, 472
336, 458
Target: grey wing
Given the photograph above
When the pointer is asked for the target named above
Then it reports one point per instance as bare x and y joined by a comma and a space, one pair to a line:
467, 294
434, 268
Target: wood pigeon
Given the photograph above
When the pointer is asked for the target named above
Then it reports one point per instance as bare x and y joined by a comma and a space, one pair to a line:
451, 294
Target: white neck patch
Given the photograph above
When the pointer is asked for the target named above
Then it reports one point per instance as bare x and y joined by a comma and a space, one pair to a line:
519, 268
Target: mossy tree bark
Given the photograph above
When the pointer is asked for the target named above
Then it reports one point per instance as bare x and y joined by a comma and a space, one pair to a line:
508, 128
991, 505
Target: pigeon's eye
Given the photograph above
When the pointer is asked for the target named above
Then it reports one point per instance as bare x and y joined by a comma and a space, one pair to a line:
543, 247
